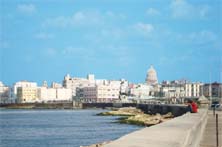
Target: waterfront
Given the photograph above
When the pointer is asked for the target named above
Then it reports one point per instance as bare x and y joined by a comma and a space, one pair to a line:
58, 128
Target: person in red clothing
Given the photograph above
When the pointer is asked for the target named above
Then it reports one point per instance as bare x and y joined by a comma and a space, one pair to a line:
192, 106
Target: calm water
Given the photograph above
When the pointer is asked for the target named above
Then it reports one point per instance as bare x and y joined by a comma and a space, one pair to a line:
40, 128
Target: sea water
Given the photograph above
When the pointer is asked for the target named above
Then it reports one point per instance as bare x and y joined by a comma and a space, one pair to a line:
62, 128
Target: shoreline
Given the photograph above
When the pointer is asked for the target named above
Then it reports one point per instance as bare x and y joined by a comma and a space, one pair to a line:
133, 116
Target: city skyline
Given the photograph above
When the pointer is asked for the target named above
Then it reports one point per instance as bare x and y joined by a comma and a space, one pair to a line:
45, 40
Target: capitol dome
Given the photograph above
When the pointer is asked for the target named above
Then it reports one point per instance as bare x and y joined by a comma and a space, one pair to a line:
151, 77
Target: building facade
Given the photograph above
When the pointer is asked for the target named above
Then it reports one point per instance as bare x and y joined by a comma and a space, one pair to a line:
101, 92
4, 94
25, 84
193, 89
74, 83
140, 90
212, 90
45, 94
27, 95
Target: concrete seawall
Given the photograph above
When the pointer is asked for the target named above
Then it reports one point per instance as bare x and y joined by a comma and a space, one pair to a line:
183, 131
176, 110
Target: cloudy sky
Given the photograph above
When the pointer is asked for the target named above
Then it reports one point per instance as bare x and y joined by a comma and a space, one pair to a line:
113, 39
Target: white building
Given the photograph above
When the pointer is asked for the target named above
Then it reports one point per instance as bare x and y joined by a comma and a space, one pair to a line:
151, 77
124, 87
140, 90
73, 83
4, 93
54, 94
172, 91
63, 94
27, 95
109, 92
21, 84
56, 85
180, 89
193, 89
103, 91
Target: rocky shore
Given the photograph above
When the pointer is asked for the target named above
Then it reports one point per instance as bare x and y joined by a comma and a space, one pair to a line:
131, 115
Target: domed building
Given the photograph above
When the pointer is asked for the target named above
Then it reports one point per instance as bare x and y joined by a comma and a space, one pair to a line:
151, 77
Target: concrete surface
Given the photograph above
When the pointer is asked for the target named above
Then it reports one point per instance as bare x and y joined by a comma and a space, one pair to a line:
183, 131
209, 137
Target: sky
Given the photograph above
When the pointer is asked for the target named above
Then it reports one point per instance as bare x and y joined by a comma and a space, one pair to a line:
113, 39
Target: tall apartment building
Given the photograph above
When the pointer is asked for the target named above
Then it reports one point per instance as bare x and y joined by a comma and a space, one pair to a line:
172, 91
24, 84
108, 93
179, 89
45, 94
73, 83
27, 94
101, 92
193, 89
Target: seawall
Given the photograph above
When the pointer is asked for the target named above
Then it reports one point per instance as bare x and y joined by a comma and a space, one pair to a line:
176, 110
182, 131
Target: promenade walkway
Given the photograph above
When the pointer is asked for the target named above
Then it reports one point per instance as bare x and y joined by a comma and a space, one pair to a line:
209, 136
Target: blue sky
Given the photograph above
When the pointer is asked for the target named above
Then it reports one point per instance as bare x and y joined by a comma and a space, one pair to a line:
113, 39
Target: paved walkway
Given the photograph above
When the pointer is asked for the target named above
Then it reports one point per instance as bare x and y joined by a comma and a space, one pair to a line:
209, 136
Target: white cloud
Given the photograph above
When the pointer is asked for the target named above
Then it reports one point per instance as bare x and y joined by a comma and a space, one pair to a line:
183, 9
84, 18
152, 12
44, 36
144, 28
111, 14
203, 36
26, 8
80, 18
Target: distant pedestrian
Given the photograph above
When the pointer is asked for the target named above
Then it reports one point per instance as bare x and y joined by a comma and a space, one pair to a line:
192, 106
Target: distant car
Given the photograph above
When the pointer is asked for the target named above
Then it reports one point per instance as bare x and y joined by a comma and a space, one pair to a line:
215, 105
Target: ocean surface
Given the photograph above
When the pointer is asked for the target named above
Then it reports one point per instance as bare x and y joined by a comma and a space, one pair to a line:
58, 128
